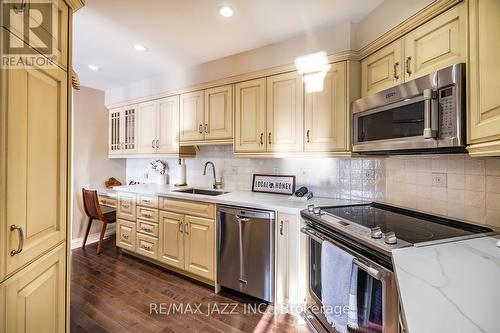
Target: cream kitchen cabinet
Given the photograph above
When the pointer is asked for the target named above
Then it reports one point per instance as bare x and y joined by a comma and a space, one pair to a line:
383, 69
250, 117
158, 123
34, 154
125, 234
285, 113
191, 117
126, 206
218, 117
199, 246
171, 239
326, 110
34, 300
122, 131
483, 78
436, 44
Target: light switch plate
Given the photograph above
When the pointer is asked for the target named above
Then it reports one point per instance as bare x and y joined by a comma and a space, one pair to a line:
439, 179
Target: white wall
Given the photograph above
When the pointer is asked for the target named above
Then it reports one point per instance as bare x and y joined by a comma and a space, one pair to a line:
91, 165
330, 39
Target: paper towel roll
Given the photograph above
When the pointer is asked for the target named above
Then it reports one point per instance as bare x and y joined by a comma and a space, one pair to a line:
181, 173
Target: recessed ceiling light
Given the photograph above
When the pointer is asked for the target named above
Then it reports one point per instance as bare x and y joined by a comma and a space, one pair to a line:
94, 68
140, 47
226, 11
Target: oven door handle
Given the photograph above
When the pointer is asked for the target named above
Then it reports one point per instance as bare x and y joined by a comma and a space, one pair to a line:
373, 272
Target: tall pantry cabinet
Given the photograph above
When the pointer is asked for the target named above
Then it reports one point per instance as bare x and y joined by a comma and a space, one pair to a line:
35, 122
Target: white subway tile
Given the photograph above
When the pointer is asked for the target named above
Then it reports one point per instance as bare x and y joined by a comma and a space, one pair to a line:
493, 166
493, 184
474, 182
474, 166
475, 199
456, 181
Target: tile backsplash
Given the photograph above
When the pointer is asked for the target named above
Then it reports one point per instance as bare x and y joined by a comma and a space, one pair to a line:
452, 185
330, 177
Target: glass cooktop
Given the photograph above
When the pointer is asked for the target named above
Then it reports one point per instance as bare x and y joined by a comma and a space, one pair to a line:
410, 226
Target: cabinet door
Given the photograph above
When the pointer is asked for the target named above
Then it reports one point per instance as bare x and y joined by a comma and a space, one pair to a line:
250, 114
219, 113
128, 131
326, 110
171, 239
125, 234
35, 298
147, 126
199, 246
168, 125
114, 134
484, 74
126, 206
191, 116
437, 44
383, 69
285, 113
36, 163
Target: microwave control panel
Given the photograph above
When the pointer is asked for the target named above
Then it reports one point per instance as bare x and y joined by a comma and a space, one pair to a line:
447, 113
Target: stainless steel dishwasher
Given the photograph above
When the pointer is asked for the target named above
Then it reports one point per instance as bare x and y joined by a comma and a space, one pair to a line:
245, 251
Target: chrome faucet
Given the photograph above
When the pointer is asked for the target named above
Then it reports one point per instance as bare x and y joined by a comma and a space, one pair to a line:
217, 185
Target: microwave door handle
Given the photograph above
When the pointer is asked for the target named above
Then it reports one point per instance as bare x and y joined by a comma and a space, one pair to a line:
430, 115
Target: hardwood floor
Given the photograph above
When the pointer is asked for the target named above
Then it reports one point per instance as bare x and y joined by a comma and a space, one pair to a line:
113, 292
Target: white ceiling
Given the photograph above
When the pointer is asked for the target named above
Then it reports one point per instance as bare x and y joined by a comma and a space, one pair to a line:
184, 33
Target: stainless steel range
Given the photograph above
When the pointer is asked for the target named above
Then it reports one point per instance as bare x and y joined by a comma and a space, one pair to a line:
370, 232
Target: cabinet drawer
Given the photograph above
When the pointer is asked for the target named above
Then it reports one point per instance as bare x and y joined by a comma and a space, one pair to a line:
107, 201
147, 246
147, 200
125, 235
194, 208
147, 228
148, 214
126, 206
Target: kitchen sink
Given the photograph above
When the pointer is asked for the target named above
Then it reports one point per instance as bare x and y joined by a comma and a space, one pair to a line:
201, 191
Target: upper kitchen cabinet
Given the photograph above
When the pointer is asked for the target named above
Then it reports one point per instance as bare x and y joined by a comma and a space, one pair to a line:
483, 78
218, 122
439, 43
250, 116
326, 111
191, 117
158, 126
383, 69
285, 113
122, 131
34, 121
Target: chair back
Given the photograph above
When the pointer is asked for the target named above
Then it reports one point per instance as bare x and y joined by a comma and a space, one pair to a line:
91, 204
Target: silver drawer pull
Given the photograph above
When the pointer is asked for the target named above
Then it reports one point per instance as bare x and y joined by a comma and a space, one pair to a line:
147, 229
125, 206
124, 236
146, 201
147, 215
21, 239
147, 248
180, 228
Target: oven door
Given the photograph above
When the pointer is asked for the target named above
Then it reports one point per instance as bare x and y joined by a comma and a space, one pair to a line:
378, 309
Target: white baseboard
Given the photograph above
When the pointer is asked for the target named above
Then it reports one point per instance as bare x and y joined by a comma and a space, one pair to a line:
93, 238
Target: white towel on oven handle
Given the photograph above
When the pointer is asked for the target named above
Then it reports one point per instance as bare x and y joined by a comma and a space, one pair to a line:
352, 316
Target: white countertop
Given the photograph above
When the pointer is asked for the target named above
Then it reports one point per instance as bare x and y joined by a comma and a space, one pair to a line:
451, 287
235, 198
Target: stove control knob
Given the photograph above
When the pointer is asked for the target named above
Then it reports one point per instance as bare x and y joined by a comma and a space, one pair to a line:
390, 238
317, 210
310, 208
376, 232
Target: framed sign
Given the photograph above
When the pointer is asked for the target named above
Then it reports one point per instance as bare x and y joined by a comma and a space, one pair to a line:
273, 184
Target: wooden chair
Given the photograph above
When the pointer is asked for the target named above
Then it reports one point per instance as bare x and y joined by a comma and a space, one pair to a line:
95, 212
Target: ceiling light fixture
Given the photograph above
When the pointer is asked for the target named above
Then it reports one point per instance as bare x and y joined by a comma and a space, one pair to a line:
226, 11
94, 68
140, 47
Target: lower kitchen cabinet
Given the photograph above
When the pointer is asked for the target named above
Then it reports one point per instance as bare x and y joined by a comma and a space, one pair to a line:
199, 244
291, 261
171, 239
125, 234
146, 245
34, 300
126, 208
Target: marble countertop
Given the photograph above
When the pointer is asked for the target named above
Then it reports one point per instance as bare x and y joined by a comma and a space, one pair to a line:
235, 198
450, 287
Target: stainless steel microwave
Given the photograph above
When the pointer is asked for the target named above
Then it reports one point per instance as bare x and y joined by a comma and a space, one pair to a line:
426, 115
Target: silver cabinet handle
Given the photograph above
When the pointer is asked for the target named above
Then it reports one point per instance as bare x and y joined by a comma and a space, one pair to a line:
307, 136
206, 128
20, 233
261, 138
146, 201
200, 128
269, 138
396, 76
180, 227
124, 236
157, 143
153, 144
408, 69
281, 228
186, 228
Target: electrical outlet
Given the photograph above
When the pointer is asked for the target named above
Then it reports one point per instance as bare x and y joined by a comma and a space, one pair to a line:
439, 179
